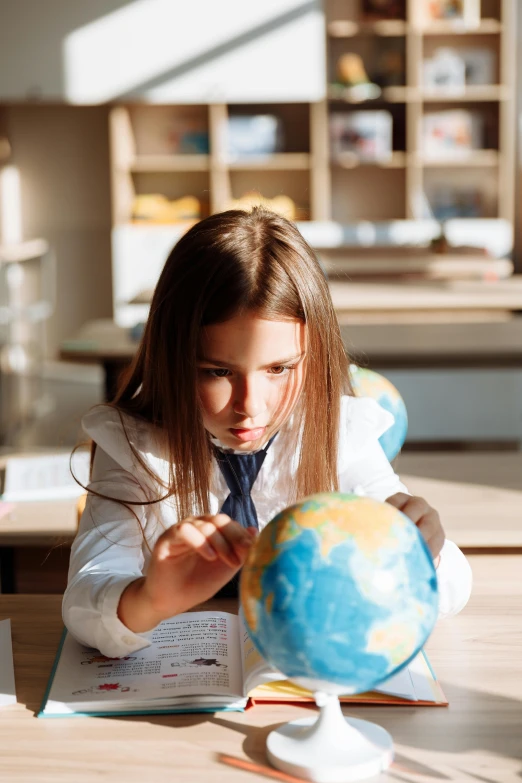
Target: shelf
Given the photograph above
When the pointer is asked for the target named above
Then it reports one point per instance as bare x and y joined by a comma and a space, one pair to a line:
480, 158
350, 160
472, 92
283, 161
387, 94
166, 163
23, 251
477, 93
448, 27
345, 28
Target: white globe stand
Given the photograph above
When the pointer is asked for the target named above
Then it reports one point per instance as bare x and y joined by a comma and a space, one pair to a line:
330, 748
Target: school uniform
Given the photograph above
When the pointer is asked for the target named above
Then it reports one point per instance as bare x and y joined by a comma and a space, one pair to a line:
109, 551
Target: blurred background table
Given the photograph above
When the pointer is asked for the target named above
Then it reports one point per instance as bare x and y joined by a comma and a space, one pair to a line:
383, 345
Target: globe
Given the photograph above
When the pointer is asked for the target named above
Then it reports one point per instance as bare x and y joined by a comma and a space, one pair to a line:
339, 592
367, 383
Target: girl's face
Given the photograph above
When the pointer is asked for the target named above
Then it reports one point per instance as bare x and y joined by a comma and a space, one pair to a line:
250, 376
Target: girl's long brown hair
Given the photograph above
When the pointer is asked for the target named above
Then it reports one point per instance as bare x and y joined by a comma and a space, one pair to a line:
228, 263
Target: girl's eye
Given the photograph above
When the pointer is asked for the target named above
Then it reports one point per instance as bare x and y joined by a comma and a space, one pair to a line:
282, 369
218, 372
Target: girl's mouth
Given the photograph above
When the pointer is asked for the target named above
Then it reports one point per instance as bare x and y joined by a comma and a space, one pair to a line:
247, 435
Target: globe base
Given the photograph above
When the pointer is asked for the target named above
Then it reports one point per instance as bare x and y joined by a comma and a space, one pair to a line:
330, 748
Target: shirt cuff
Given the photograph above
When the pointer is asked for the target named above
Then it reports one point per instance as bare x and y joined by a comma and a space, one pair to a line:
454, 579
118, 640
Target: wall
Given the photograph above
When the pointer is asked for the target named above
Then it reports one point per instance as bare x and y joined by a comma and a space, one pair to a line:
161, 50
63, 157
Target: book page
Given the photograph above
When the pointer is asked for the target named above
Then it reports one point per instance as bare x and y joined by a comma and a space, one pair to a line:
400, 685
416, 682
7, 680
191, 654
45, 478
255, 669
426, 685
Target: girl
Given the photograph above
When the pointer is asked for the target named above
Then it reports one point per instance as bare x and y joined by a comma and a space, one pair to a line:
237, 404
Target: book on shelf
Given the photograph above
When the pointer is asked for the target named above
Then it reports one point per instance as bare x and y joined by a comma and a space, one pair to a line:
198, 662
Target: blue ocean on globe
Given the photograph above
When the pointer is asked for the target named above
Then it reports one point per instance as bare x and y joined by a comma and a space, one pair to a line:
367, 383
340, 590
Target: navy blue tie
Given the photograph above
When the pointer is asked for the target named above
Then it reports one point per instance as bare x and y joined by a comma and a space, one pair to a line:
240, 472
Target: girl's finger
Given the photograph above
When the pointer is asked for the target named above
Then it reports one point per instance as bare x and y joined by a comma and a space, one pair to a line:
415, 509
183, 537
432, 531
398, 500
236, 535
218, 542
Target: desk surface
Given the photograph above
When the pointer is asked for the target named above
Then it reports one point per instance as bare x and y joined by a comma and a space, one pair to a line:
486, 343
477, 656
478, 495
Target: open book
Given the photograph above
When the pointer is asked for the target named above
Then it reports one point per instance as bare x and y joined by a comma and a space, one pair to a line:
45, 477
196, 662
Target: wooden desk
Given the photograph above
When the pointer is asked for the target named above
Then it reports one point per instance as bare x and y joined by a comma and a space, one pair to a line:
37, 533
477, 656
423, 299
40, 523
477, 494
34, 524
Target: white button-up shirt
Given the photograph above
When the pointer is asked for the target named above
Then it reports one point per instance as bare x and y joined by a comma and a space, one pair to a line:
111, 549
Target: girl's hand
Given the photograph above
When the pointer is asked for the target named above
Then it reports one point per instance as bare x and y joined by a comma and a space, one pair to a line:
190, 562
426, 519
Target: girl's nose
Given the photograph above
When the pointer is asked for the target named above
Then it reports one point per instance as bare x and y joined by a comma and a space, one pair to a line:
249, 399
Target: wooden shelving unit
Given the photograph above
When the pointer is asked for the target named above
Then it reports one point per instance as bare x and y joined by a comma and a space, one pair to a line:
409, 168
141, 163
340, 191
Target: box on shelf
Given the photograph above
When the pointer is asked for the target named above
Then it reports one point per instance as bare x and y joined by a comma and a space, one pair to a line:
465, 11
445, 69
453, 133
453, 68
170, 130
254, 135
366, 134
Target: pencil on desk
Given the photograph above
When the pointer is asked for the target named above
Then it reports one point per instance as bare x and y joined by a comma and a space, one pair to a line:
260, 769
